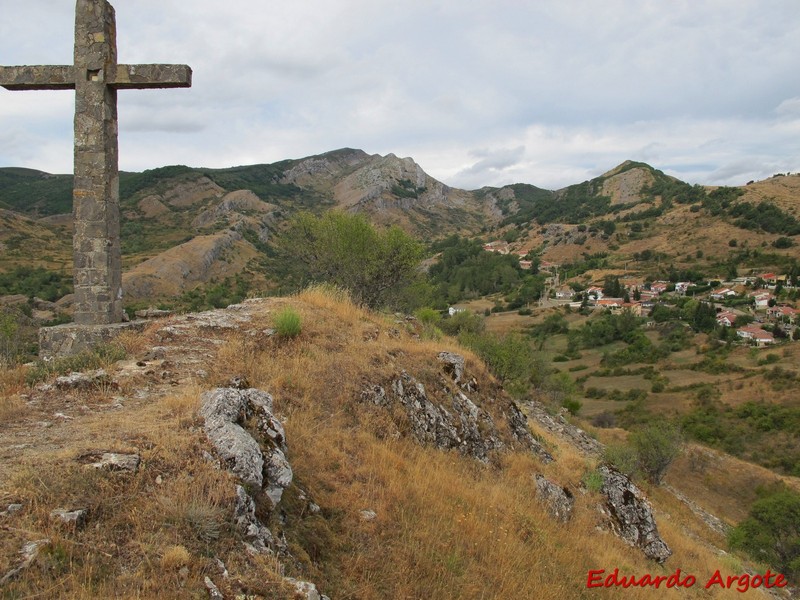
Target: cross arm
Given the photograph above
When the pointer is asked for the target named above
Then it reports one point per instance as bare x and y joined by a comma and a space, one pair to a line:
38, 78
152, 76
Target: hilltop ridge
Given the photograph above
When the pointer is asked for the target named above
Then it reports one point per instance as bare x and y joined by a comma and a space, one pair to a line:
374, 506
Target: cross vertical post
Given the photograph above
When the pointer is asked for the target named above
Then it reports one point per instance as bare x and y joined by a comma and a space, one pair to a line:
95, 204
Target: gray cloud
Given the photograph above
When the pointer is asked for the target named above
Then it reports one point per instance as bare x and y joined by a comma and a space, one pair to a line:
554, 91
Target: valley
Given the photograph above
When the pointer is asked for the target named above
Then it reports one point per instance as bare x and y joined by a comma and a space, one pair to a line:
626, 303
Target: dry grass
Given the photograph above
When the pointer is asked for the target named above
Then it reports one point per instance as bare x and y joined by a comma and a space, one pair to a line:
12, 384
720, 483
446, 526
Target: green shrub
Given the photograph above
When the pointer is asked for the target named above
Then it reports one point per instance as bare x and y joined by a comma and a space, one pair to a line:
769, 359
375, 265
623, 458
288, 323
428, 316
656, 446
463, 322
771, 532
510, 358
572, 405
593, 480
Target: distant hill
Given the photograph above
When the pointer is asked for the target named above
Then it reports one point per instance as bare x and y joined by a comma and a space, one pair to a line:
630, 212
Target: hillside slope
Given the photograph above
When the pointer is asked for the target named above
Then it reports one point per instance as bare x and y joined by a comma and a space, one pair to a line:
372, 509
633, 216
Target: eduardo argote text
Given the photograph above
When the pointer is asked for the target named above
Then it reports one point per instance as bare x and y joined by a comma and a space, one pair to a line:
600, 578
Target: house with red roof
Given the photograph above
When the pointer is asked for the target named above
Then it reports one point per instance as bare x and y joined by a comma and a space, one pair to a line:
659, 287
722, 294
784, 313
755, 334
726, 318
762, 300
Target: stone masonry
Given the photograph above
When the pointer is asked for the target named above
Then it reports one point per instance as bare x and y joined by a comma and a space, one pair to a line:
95, 76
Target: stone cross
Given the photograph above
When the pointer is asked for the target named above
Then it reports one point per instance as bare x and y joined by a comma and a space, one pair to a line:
95, 76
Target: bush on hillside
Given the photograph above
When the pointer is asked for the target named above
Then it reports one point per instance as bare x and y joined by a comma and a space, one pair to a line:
375, 266
510, 358
771, 532
656, 447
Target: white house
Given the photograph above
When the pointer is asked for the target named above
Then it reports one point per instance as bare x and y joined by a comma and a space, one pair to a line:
722, 294
756, 334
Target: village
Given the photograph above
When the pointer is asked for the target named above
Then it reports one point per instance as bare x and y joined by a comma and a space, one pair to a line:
756, 306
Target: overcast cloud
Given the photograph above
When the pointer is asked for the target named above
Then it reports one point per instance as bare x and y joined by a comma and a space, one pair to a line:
551, 92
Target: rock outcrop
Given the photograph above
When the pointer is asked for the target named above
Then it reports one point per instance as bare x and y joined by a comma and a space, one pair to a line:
565, 430
234, 206
260, 463
266, 469
457, 423
559, 500
518, 423
631, 516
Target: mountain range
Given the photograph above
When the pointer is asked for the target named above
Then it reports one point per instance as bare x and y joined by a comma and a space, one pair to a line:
184, 227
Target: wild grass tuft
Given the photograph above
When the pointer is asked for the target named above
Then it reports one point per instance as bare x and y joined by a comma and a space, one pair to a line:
288, 323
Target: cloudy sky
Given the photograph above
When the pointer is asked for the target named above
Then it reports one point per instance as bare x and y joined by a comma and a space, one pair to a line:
479, 92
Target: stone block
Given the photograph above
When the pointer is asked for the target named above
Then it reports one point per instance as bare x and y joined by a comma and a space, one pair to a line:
73, 338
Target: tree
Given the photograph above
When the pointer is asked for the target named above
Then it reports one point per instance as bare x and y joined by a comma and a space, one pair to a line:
612, 287
345, 250
771, 532
656, 447
705, 317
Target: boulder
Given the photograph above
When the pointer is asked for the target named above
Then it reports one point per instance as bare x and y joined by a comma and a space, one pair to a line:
224, 411
117, 462
71, 518
305, 590
631, 516
11, 510
83, 381
559, 500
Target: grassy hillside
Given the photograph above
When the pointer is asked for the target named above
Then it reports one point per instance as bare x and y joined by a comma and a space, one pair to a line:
446, 526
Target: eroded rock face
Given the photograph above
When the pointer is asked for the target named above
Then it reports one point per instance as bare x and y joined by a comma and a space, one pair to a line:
631, 516
453, 365
462, 426
565, 430
457, 423
559, 500
518, 423
255, 533
225, 410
